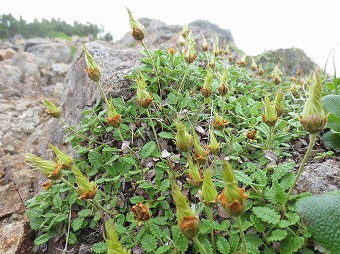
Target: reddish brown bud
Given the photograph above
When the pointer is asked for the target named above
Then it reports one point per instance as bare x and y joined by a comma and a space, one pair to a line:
251, 134
141, 212
189, 226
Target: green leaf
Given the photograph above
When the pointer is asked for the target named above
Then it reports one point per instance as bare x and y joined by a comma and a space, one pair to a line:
136, 199
331, 104
43, 238
84, 213
163, 249
96, 161
321, 214
275, 194
164, 186
223, 245
148, 243
77, 223
166, 135
72, 197
242, 177
160, 220
331, 140
72, 239
277, 235
282, 170
261, 177
99, 248
148, 149
258, 223
181, 242
267, 214
291, 244
57, 201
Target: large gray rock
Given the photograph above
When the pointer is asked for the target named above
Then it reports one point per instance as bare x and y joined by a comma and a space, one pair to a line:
52, 52
10, 81
81, 92
36, 41
6, 53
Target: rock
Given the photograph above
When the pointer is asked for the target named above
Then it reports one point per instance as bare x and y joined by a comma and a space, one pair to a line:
81, 92
6, 53
52, 52
320, 177
10, 200
10, 81
36, 41
12, 238
61, 69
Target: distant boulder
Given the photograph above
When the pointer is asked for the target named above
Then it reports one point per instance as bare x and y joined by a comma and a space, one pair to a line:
52, 52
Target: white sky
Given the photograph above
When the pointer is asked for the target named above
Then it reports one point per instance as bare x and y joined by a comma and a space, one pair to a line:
256, 25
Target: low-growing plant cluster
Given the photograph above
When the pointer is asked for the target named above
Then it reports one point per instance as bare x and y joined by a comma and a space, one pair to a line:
197, 162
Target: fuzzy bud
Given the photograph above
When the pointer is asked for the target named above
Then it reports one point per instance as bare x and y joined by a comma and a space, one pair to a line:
52, 109
242, 61
113, 118
144, 98
191, 54
200, 153
62, 157
261, 71
172, 51
50, 169
219, 123
205, 45
270, 115
185, 31
279, 102
183, 138
111, 238
92, 70
214, 146
223, 87
209, 192
253, 64
207, 87
141, 212
195, 176
216, 49
227, 50
138, 31
86, 189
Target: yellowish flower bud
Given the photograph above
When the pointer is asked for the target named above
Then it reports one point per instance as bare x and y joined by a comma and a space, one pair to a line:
277, 73
253, 64
62, 157
50, 169
207, 87
219, 123
223, 87
52, 109
195, 176
242, 61
216, 49
279, 102
92, 70
141, 212
214, 146
227, 50
138, 31
261, 71
313, 118
205, 45
183, 139
144, 98
251, 134
191, 54
172, 51
200, 153
185, 31
211, 61
86, 189
270, 115
111, 238
181, 40
209, 192
113, 118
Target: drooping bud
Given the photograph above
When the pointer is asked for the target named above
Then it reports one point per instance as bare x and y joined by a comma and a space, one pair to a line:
270, 115
223, 86
279, 102
138, 31
141, 212
48, 185
144, 98
277, 74
253, 64
113, 118
216, 49
62, 157
195, 176
181, 40
242, 61
227, 50
251, 134
299, 72
172, 51
86, 189
211, 61
230, 58
200, 153
232, 198
207, 87
191, 54
214, 146
261, 71
209, 192
205, 45
185, 31
111, 238
92, 70
50, 169
52, 109
183, 139
187, 220
219, 123
313, 118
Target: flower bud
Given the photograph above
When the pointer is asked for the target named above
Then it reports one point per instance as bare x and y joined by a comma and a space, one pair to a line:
242, 61
223, 87
209, 192
144, 98
185, 31
205, 45
230, 58
113, 118
48, 185
52, 109
138, 31
187, 220
214, 146
251, 134
183, 138
253, 64
141, 212
261, 71
181, 40
211, 61
216, 49
172, 51
200, 153
277, 74
313, 118
191, 54
92, 70
219, 123
227, 50
63, 158
195, 176
86, 189
279, 102
270, 115
50, 169
299, 72
227, 172
207, 87
111, 239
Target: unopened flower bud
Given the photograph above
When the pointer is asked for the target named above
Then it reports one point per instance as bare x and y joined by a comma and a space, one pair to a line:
181, 40
138, 31
144, 98
111, 238
195, 176
313, 118
227, 50
86, 189
223, 86
141, 212
216, 49
261, 71
214, 146
92, 70
191, 54
50, 169
209, 192
277, 73
279, 102
183, 139
172, 51
113, 118
299, 72
230, 58
48, 185
62, 157
253, 64
207, 87
52, 109
200, 153
251, 134
205, 45
185, 31
242, 61
219, 123
211, 61
270, 115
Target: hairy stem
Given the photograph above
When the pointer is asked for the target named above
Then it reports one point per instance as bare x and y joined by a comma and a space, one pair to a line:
102, 92
199, 245
153, 129
181, 85
209, 211
99, 206
243, 238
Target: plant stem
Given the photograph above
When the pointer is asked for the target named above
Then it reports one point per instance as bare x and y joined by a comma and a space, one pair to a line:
270, 138
199, 245
222, 106
243, 238
102, 92
304, 160
154, 66
153, 129
68, 230
184, 78
209, 211
95, 201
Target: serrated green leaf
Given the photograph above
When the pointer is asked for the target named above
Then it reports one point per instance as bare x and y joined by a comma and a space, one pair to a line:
165, 185
148, 149
267, 214
72, 197
277, 235
43, 238
331, 104
242, 177
84, 213
99, 248
205, 226
181, 242
275, 194
223, 245
331, 140
77, 223
163, 249
282, 170
136, 199
160, 220
72, 239
149, 243
36, 222
260, 177
57, 201
291, 244
96, 161
166, 135
258, 223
